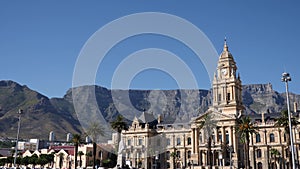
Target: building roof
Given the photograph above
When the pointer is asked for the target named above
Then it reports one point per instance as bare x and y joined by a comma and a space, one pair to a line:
147, 118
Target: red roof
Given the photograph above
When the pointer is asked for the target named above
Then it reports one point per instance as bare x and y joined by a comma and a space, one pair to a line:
68, 149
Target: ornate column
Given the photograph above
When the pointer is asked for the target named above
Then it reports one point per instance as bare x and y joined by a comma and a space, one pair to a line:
196, 140
193, 140
230, 136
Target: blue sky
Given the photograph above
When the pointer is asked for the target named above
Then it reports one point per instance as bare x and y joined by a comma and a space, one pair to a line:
41, 40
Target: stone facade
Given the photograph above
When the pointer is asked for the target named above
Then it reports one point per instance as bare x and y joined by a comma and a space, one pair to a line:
151, 143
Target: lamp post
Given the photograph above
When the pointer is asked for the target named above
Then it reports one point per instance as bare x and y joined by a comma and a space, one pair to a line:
16, 147
286, 78
230, 149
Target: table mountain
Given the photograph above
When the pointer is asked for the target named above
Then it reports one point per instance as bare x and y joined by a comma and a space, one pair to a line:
42, 114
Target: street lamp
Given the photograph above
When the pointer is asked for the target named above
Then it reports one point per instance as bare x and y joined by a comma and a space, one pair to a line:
286, 78
16, 147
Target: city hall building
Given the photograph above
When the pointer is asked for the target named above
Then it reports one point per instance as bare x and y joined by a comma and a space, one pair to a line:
151, 143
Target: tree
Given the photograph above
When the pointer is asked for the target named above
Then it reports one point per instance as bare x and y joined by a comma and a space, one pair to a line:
208, 125
50, 159
95, 130
2, 161
10, 160
76, 140
80, 153
61, 160
42, 160
274, 154
245, 128
283, 121
119, 124
33, 160
25, 161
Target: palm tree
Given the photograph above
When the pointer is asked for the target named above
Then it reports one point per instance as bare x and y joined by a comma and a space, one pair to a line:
119, 124
283, 121
208, 125
80, 153
174, 155
76, 140
95, 130
274, 154
245, 128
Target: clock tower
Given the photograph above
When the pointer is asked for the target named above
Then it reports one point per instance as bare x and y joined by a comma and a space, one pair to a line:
227, 86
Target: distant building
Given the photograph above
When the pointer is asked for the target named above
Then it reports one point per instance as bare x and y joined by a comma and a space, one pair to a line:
64, 155
31, 145
69, 137
51, 136
88, 139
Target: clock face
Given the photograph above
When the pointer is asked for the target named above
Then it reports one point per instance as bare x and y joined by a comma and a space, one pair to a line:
224, 71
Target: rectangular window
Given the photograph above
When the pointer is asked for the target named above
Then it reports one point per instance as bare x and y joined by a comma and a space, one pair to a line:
219, 97
178, 154
228, 96
168, 155
178, 141
140, 141
189, 154
168, 142
200, 137
129, 142
258, 153
258, 138
220, 137
189, 141
227, 137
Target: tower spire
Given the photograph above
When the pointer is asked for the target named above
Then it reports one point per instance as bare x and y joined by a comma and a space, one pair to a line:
225, 44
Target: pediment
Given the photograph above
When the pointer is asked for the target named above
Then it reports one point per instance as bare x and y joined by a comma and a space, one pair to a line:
216, 115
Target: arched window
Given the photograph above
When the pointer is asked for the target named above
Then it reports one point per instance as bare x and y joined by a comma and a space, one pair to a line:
100, 154
258, 153
272, 137
189, 141
259, 165
258, 138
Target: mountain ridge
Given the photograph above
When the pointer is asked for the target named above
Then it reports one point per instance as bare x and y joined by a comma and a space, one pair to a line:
43, 114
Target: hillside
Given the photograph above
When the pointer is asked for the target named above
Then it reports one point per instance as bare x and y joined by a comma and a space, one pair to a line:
42, 115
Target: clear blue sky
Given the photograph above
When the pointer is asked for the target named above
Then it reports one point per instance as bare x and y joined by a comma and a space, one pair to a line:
41, 40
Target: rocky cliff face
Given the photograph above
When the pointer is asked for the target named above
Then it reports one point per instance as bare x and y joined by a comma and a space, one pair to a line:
42, 115
260, 98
